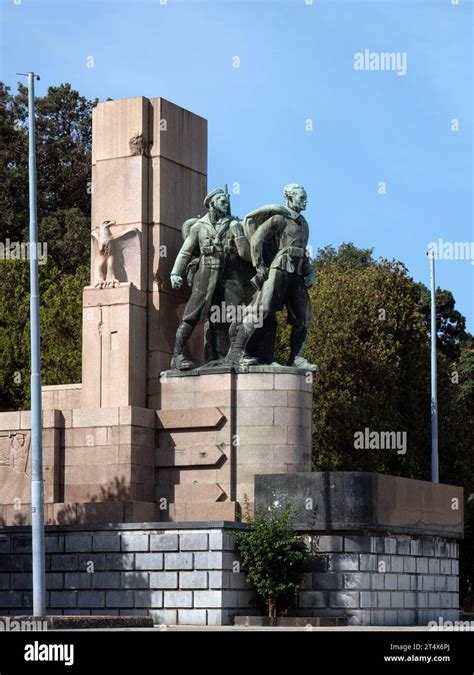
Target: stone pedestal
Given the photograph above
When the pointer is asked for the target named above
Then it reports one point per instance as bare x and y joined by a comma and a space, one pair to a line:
218, 430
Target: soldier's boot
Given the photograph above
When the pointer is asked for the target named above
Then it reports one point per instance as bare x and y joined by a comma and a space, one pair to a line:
239, 336
297, 360
179, 361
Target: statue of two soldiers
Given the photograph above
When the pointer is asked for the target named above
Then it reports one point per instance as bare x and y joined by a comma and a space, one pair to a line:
242, 274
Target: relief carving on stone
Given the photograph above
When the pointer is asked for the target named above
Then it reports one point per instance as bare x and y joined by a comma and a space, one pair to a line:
116, 257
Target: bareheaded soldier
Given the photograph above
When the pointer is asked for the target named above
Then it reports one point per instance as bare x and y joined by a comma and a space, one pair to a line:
278, 239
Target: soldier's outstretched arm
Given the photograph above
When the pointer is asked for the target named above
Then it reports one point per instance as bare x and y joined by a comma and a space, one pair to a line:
185, 252
267, 230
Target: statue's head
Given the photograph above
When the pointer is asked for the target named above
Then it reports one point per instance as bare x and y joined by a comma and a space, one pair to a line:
217, 201
296, 197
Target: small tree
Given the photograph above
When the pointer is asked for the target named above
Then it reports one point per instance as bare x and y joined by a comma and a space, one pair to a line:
272, 555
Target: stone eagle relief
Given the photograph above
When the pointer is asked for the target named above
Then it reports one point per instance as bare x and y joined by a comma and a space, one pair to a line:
115, 258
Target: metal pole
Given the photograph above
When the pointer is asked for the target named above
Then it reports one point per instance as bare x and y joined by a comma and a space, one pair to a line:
37, 490
434, 393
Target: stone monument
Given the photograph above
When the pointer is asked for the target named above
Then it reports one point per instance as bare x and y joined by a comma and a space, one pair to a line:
148, 461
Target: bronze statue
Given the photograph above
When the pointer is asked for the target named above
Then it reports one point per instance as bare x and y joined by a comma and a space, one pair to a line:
213, 257
278, 236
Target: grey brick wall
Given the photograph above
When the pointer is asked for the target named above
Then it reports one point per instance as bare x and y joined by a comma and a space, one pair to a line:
382, 580
186, 573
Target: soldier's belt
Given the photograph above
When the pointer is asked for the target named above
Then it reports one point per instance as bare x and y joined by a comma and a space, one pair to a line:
211, 250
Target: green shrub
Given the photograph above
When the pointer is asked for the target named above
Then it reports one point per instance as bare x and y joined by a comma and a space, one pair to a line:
272, 555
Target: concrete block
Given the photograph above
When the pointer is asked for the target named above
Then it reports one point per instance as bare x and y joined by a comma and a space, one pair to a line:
192, 617
377, 582
120, 561
328, 544
91, 562
396, 599
163, 580
119, 599
134, 580
164, 616
344, 562
328, 581
193, 580
208, 561
105, 580
179, 561
207, 598
221, 541
106, 542
194, 542
445, 566
78, 542
409, 565
313, 599
422, 565
396, 564
368, 562
403, 582
358, 544
344, 599
390, 545
383, 599
149, 561
64, 562
77, 580
134, 542
409, 600
163, 542
63, 599
391, 582
434, 566
428, 548
368, 599
91, 599
149, 599
178, 599
357, 580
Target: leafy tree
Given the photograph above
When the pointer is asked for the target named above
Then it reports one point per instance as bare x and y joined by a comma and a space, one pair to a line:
273, 556
60, 326
347, 254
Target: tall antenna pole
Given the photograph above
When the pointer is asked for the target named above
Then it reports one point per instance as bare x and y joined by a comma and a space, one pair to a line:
434, 391
37, 488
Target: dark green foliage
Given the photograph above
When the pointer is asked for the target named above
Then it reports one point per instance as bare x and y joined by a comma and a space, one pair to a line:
273, 556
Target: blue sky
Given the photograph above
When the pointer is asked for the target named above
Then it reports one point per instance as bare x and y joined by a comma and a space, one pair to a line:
296, 64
